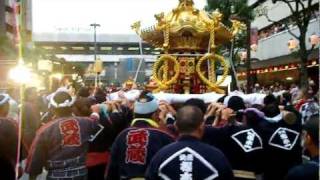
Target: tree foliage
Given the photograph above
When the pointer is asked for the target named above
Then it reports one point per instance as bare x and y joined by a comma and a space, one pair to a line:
233, 9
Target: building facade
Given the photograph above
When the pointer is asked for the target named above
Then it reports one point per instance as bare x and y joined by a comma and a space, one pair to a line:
273, 58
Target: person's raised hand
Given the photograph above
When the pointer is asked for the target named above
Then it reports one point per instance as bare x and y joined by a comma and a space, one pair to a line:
217, 118
163, 113
95, 108
121, 94
227, 113
212, 109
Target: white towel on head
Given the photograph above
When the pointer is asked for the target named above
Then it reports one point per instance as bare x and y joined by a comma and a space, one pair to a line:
254, 98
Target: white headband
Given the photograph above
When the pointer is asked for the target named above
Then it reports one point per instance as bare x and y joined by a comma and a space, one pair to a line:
5, 99
66, 103
146, 107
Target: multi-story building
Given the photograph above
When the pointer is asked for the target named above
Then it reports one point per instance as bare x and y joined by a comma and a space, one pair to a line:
273, 60
120, 54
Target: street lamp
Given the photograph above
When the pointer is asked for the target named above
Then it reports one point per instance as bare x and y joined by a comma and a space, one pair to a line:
20, 74
95, 25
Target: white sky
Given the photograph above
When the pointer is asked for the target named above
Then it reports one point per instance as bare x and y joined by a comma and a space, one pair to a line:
115, 16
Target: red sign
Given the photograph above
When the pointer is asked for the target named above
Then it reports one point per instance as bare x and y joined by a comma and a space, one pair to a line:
70, 131
137, 141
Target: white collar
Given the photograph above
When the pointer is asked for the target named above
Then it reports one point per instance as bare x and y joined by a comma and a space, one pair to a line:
274, 119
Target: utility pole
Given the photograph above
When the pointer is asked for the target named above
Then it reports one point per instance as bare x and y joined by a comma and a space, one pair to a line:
248, 62
140, 62
95, 25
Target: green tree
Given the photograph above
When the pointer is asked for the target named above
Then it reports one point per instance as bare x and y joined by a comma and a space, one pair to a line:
235, 9
302, 11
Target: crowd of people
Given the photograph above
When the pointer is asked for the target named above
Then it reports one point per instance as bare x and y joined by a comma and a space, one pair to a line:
89, 135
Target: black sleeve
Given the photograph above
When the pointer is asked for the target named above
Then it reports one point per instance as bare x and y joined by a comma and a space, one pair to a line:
152, 170
214, 136
113, 168
8, 141
295, 173
104, 140
121, 120
37, 156
226, 169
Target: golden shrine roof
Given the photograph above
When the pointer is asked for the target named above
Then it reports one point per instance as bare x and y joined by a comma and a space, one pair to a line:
188, 28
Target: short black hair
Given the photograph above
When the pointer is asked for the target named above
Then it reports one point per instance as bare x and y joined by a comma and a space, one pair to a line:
100, 96
83, 92
197, 103
253, 119
270, 99
59, 98
312, 128
82, 107
287, 97
221, 99
236, 103
189, 118
271, 110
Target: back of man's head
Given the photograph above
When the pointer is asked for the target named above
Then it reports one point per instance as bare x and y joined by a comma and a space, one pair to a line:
83, 92
62, 103
236, 103
197, 103
287, 98
99, 95
189, 119
270, 99
312, 128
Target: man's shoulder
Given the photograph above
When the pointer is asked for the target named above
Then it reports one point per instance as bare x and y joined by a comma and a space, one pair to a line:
206, 148
196, 146
160, 132
8, 125
305, 171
